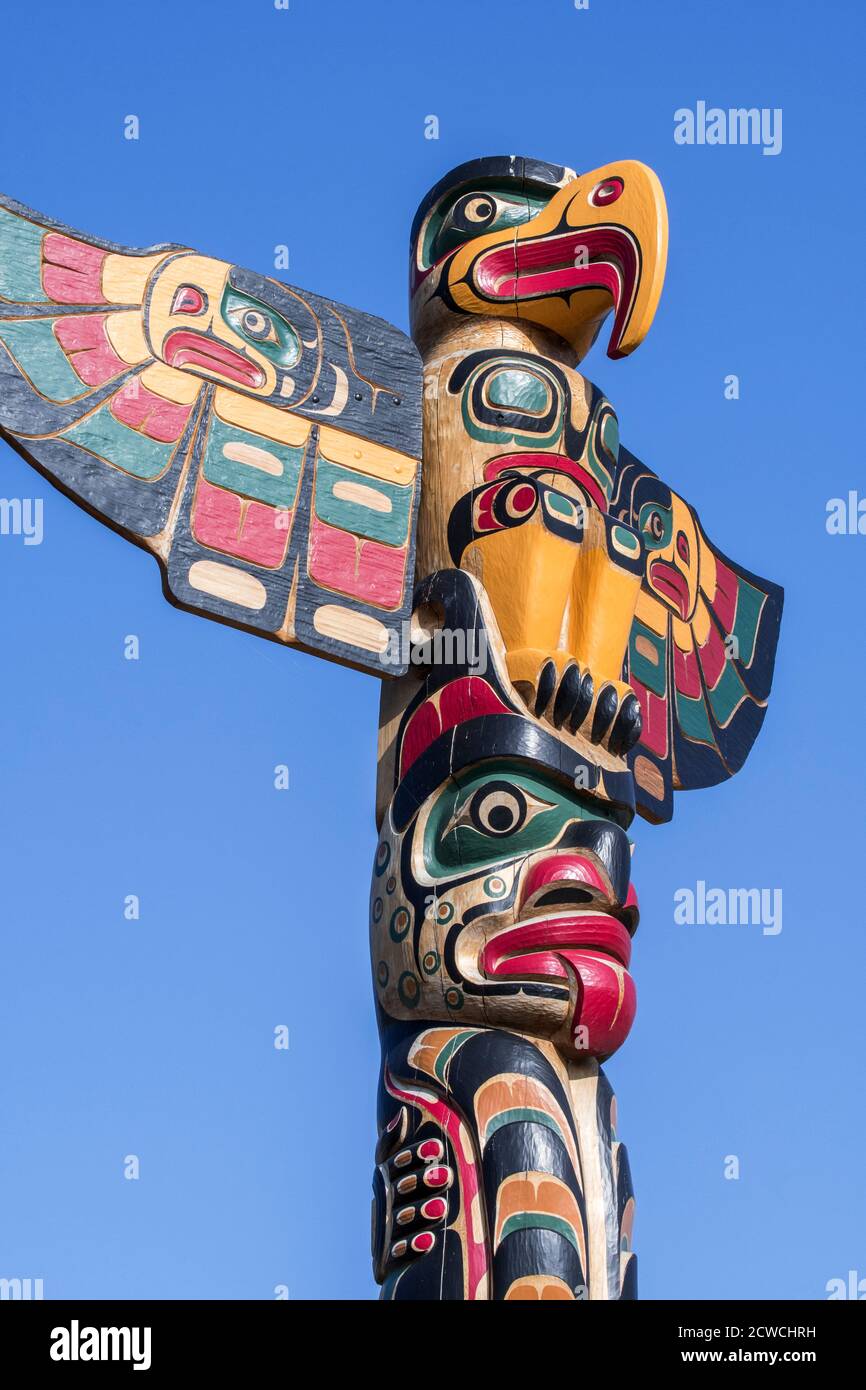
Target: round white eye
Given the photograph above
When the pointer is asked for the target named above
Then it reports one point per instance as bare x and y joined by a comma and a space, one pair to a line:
256, 324
498, 809
478, 210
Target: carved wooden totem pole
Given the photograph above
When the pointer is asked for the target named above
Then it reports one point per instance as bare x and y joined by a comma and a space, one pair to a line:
565, 648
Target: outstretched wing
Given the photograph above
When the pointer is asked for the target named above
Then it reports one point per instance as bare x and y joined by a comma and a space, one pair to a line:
701, 650
262, 442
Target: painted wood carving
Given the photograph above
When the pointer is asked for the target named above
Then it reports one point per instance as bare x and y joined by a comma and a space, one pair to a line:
578, 648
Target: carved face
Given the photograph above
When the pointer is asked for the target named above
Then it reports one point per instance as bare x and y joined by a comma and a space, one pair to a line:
201, 318
506, 901
517, 238
672, 553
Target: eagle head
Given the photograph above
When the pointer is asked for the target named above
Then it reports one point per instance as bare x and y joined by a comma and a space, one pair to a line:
509, 237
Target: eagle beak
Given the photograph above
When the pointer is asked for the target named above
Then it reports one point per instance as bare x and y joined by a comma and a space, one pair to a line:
600, 244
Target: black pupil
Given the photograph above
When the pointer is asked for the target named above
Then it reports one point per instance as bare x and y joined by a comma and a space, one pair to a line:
500, 818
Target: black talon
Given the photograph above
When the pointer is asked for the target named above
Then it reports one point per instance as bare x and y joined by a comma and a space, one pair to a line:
583, 702
546, 687
627, 727
566, 695
605, 709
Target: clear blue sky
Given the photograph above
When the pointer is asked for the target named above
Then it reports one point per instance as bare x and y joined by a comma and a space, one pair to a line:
154, 777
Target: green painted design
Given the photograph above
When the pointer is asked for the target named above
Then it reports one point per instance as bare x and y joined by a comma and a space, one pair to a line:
526, 1114
626, 540
727, 695
390, 526
20, 260
383, 973
513, 208
399, 924
516, 390
116, 444
562, 505
651, 540
444, 913
430, 962
453, 1045
495, 887
276, 489
490, 434
450, 847
651, 674
378, 909
263, 328
383, 857
41, 358
539, 1221
454, 998
693, 718
409, 989
750, 603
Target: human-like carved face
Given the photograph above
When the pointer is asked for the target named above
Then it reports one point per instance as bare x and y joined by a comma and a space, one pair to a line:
202, 318
506, 901
672, 553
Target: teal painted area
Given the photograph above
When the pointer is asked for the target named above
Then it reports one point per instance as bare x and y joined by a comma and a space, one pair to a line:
391, 526
262, 327
539, 1221
727, 694
452, 842
278, 490
519, 391
512, 209
749, 604
41, 358
626, 540
118, 444
649, 674
693, 719
20, 260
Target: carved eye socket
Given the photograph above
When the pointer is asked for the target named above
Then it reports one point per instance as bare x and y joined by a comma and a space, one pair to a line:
655, 526
606, 192
499, 809
258, 325
188, 299
476, 210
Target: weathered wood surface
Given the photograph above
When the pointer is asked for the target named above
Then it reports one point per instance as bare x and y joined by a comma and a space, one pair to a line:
263, 443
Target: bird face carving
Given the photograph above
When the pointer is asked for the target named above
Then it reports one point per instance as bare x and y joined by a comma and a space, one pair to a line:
201, 318
514, 238
672, 553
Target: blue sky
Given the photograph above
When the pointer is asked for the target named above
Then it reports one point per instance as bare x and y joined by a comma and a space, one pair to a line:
155, 1038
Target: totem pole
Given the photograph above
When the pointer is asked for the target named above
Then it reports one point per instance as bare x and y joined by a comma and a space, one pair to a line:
565, 647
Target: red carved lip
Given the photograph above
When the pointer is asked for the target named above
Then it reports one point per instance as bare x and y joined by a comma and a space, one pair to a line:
549, 463
541, 945
672, 584
186, 348
545, 266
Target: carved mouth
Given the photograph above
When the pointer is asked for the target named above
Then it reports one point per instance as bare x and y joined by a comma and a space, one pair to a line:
671, 585
186, 348
601, 258
543, 944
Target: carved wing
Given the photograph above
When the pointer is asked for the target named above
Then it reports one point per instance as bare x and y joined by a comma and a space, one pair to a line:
701, 650
262, 442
